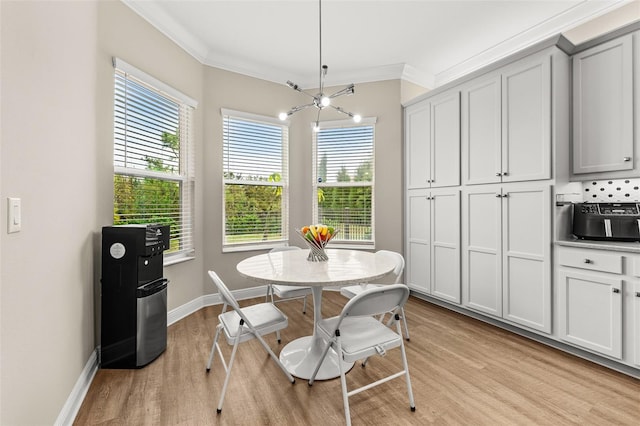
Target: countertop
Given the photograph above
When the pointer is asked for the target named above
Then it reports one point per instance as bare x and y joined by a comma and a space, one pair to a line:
632, 247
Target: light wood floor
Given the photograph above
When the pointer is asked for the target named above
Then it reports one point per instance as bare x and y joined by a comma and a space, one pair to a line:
464, 372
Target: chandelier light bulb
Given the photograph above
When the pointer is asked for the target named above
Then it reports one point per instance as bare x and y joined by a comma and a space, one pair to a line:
357, 118
325, 101
283, 116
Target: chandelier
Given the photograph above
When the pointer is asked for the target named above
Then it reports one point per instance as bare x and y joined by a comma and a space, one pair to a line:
320, 100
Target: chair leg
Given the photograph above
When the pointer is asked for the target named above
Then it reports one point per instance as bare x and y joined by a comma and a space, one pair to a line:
213, 347
320, 360
269, 293
405, 365
226, 379
304, 305
275, 358
343, 382
404, 321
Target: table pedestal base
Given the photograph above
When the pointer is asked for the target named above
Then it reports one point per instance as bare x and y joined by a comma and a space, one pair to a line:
301, 356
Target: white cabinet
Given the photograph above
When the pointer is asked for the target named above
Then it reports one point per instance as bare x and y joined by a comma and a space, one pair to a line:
590, 299
417, 130
432, 142
603, 122
636, 322
418, 241
481, 130
506, 253
445, 139
506, 123
591, 307
433, 242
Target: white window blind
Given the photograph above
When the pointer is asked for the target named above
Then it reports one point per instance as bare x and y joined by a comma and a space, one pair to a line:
255, 156
344, 180
153, 159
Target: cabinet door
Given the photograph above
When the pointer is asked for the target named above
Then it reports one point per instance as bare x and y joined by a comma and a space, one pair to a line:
636, 322
418, 272
445, 245
445, 140
591, 311
603, 107
482, 247
417, 145
481, 132
526, 286
526, 120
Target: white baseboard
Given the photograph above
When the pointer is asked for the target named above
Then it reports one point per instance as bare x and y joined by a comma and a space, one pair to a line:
195, 305
72, 406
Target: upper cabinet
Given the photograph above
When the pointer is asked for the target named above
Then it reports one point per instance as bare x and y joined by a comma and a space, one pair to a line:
506, 123
432, 142
603, 105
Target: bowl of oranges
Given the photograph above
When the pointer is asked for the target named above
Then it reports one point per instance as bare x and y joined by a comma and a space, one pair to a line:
317, 237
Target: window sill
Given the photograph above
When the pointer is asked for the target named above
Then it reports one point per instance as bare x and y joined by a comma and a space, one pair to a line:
252, 247
172, 260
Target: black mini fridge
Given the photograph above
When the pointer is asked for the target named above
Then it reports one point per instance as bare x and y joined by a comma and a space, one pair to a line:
133, 323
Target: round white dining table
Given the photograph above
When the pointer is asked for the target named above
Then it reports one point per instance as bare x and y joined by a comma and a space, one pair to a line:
344, 267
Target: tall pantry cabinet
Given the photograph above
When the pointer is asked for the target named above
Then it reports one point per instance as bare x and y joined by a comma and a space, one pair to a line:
513, 130
432, 176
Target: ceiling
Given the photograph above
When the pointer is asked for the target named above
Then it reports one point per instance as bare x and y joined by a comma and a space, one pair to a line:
426, 42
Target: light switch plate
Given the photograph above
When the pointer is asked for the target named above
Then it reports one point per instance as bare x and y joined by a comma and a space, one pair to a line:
14, 215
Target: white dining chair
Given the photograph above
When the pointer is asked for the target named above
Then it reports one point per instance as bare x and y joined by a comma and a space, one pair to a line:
287, 292
355, 335
353, 290
244, 324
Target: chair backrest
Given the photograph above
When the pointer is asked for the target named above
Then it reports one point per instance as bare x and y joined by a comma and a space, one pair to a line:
225, 293
284, 248
376, 301
397, 257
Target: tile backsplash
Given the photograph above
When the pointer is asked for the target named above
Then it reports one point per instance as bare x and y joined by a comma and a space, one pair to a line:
611, 191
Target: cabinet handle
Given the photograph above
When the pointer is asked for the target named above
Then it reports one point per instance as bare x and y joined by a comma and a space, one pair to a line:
627, 158
616, 290
588, 261
504, 173
505, 195
498, 195
637, 293
498, 174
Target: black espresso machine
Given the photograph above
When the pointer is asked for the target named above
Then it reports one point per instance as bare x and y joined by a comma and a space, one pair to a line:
607, 221
133, 295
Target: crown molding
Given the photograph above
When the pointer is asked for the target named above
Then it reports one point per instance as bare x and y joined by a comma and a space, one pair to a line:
153, 13
156, 16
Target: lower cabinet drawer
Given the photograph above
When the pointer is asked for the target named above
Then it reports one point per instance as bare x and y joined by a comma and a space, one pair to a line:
590, 259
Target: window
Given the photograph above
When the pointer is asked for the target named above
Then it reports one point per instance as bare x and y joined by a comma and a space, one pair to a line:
153, 157
255, 155
344, 179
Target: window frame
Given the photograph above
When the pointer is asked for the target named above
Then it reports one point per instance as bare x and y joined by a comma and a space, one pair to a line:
186, 175
283, 183
336, 124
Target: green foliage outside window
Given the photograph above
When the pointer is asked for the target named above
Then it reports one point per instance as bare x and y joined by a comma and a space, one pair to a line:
143, 200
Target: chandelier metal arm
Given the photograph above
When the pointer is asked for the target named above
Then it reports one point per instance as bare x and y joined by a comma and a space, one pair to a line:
349, 90
299, 108
339, 109
320, 101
